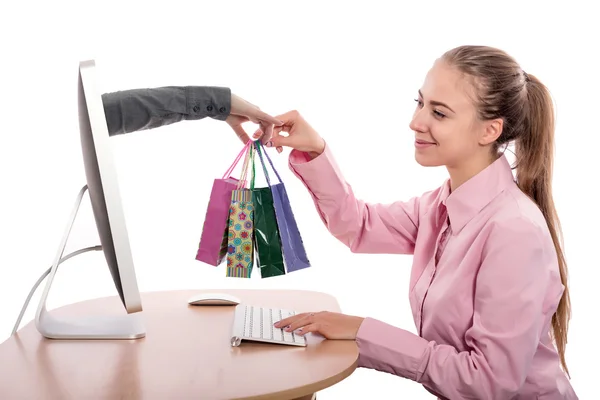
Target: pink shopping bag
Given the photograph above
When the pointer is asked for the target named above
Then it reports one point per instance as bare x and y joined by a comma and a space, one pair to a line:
213, 241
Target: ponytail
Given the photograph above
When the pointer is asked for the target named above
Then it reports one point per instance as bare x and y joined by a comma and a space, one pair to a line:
504, 90
535, 156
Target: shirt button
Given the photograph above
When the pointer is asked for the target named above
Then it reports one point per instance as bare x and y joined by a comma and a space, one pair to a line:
196, 108
222, 109
209, 108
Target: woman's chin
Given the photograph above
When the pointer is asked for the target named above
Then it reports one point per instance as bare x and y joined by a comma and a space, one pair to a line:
425, 161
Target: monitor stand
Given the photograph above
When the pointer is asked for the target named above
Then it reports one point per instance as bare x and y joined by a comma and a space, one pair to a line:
129, 326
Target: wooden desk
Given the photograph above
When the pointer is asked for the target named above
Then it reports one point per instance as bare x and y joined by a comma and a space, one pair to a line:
186, 354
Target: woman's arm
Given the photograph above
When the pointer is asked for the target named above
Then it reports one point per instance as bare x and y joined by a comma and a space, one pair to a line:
517, 291
363, 227
139, 109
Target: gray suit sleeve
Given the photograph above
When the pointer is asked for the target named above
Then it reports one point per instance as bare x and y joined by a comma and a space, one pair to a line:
139, 109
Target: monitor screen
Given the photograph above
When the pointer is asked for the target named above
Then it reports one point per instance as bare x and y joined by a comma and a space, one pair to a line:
103, 188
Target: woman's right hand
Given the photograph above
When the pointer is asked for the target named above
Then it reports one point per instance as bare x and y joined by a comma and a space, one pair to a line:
301, 136
243, 111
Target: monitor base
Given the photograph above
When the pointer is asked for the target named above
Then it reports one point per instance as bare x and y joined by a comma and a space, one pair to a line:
117, 327
128, 326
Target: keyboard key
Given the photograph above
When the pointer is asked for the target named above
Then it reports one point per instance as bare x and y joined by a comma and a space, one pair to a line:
278, 334
256, 325
247, 323
267, 324
287, 336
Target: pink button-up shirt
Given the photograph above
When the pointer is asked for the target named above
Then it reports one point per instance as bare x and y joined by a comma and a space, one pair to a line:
482, 306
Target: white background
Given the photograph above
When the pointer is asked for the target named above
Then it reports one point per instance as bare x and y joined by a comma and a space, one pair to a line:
352, 69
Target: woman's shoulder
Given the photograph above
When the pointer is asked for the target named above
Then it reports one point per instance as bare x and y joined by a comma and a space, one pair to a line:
514, 214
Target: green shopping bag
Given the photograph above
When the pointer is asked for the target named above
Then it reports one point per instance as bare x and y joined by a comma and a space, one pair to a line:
240, 240
269, 254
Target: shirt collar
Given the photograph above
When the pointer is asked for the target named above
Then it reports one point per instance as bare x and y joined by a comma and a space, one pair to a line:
476, 193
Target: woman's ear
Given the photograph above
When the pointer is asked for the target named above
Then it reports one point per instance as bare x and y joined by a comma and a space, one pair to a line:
491, 131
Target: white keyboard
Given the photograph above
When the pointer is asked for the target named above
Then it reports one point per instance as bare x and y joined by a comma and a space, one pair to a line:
254, 323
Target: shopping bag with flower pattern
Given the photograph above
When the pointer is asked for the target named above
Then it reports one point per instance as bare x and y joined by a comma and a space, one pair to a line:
240, 241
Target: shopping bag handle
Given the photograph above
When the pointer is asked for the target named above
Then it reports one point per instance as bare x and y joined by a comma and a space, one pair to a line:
253, 178
258, 148
237, 160
244, 173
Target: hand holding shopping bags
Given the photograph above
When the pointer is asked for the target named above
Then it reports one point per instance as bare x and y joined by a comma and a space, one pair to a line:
257, 222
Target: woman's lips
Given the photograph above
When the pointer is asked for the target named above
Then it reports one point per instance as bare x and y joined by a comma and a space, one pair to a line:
423, 143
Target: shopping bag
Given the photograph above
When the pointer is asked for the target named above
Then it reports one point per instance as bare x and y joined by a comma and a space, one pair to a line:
240, 241
213, 240
294, 252
269, 256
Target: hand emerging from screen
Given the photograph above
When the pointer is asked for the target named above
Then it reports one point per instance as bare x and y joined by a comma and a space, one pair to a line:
329, 324
243, 111
301, 136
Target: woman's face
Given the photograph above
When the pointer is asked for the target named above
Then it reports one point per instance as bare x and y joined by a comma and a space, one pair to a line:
447, 129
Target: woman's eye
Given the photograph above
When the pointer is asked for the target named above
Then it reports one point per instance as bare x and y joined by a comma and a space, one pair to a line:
435, 112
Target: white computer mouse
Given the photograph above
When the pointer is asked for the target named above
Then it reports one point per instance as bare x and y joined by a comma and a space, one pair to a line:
213, 299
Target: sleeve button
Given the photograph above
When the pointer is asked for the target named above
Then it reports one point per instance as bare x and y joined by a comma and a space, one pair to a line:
209, 108
196, 108
222, 109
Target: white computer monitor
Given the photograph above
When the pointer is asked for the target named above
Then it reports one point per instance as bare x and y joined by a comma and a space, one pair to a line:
103, 189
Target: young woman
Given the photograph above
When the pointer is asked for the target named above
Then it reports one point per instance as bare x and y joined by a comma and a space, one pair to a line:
488, 286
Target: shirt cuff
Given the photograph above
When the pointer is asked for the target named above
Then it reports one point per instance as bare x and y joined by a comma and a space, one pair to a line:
321, 175
387, 348
208, 101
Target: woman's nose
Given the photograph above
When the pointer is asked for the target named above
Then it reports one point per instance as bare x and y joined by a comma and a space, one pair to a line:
418, 122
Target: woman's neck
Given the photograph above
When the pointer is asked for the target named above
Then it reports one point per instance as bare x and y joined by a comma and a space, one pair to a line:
462, 173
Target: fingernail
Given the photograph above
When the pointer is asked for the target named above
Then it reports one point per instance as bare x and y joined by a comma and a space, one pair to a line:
287, 328
276, 324
269, 144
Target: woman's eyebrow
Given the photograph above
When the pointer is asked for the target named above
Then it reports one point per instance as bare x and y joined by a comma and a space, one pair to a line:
437, 103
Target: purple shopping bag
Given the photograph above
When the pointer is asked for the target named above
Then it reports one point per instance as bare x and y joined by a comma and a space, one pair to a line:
213, 241
293, 247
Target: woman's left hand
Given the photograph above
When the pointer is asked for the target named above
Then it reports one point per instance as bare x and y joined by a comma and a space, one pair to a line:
329, 324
